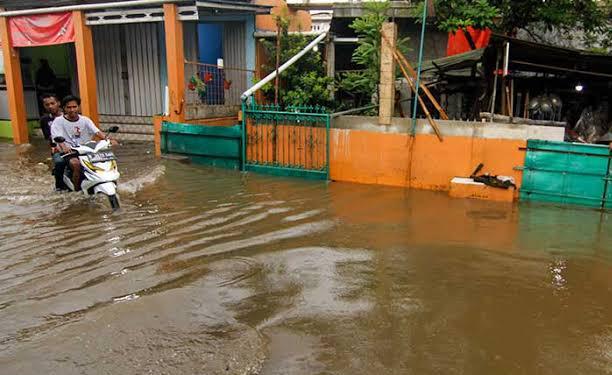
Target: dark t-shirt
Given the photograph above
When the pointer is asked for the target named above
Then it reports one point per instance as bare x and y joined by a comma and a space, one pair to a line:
45, 125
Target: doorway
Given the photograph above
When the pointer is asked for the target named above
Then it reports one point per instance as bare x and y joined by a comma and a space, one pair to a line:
49, 70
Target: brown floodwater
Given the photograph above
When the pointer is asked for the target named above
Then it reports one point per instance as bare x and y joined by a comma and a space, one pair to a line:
208, 271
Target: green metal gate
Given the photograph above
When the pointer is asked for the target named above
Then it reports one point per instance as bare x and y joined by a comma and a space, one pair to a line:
569, 173
291, 141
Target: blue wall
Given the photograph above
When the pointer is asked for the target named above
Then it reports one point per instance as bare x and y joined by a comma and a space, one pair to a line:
210, 42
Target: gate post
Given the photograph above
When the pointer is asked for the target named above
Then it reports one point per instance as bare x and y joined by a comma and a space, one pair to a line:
328, 143
175, 62
386, 90
243, 144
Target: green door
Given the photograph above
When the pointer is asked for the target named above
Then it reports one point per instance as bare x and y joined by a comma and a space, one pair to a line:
219, 146
608, 197
567, 173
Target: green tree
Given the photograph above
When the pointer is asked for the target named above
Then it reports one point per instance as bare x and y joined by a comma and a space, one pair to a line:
303, 83
364, 83
453, 15
509, 16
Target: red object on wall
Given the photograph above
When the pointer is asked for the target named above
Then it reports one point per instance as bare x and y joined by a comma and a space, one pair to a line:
41, 30
459, 43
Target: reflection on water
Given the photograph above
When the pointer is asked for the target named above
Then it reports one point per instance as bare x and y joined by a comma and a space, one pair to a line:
216, 272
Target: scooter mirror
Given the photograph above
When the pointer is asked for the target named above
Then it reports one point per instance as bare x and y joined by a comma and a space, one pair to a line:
113, 129
59, 139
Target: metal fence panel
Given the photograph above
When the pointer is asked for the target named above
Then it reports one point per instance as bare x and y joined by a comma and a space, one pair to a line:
292, 141
211, 85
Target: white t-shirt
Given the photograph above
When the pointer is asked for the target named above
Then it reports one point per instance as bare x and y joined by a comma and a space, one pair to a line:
75, 132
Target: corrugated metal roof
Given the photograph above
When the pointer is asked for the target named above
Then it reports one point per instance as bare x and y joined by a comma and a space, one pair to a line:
541, 55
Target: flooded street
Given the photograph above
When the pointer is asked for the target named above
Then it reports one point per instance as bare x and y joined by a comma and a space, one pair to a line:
208, 271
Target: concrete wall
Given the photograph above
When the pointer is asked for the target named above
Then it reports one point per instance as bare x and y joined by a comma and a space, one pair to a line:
434, 46
362, 151
299, 20
203, 111
7, 132
435, 41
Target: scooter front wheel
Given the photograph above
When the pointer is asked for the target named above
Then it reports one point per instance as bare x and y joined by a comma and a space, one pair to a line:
114, 202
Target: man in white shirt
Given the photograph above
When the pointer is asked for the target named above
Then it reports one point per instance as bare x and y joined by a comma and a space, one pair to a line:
75, 129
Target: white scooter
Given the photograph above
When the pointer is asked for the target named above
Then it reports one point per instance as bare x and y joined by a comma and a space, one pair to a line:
99, 169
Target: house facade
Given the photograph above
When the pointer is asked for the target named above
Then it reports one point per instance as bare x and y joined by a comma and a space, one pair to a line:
128, 60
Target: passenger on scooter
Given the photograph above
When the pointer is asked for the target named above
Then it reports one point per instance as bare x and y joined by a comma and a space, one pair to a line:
75, 129
52, 106
51, 103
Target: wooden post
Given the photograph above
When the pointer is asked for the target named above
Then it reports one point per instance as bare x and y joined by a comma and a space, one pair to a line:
330, 58
413, 74
175, 61
386, 91
494, 95
330, 63
14, 86
86, 67
278, 47
157, 127
260, 61
433, 124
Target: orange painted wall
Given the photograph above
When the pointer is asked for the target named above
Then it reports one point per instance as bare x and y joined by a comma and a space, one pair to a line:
422, 162
299, 20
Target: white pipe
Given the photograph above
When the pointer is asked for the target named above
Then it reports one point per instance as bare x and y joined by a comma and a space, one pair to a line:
346, 40
69, 8
506, 58
287, 64
166, 101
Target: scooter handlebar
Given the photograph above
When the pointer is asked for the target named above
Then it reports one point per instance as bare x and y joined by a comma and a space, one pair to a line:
71, 153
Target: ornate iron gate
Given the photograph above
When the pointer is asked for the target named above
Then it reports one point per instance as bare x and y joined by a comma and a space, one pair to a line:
291, 141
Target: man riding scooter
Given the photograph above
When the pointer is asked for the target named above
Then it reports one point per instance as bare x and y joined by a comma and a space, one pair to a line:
74, 129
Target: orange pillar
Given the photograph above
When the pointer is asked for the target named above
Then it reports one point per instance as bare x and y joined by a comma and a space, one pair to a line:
86, 67
175, 61
14, 86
